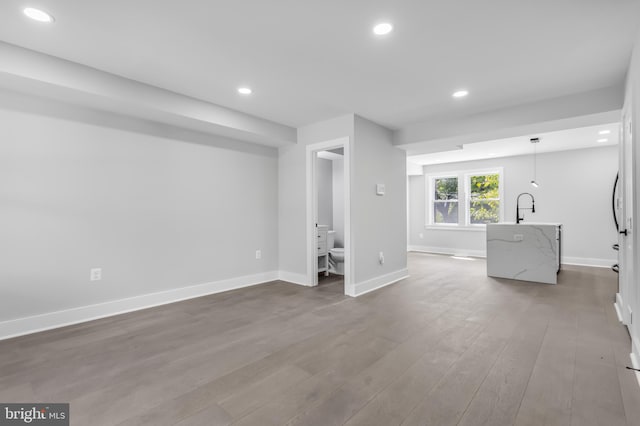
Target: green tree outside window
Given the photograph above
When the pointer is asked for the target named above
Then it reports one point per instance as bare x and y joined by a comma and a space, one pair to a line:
484, 198
445, 200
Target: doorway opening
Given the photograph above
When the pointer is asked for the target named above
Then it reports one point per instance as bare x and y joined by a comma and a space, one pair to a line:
328, 216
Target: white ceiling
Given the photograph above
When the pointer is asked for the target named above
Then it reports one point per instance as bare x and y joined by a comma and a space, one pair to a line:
312, 60
565, 140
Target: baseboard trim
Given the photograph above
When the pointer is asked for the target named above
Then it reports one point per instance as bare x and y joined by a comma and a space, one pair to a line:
294, 278
447, 251
51, 320
358, 289
635, 361
577, 261
586, 261
617, 307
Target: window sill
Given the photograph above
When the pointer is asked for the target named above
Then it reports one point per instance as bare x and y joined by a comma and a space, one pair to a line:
478, 228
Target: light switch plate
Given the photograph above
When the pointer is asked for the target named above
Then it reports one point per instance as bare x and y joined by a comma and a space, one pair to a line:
380, 189
95, 274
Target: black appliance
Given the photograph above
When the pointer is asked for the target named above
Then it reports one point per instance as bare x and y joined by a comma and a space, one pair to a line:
616, 246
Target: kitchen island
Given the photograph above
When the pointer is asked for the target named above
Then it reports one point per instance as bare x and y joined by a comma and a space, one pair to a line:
524, 251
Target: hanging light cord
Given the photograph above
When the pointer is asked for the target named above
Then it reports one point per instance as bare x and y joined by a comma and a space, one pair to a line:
535, 163
535, 141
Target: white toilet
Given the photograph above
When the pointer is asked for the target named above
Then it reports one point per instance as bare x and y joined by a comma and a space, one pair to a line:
336, 255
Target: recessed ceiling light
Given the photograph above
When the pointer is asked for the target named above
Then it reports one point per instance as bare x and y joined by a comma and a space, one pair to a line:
244, 90
38, 15
460, 94
603, 140
604, 132
382, 28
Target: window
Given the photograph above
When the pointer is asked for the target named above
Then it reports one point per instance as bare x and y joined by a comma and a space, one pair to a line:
484, 198
445, 200
466, 199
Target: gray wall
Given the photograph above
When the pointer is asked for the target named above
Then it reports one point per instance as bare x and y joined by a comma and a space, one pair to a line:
160, 212
155, 213
292, 192
575, 190
324, 178
379, 222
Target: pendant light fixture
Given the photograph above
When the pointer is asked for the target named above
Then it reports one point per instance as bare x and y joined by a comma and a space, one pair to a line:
534, 182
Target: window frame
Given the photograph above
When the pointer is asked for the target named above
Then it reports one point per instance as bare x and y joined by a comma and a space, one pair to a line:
431, 202
464, 198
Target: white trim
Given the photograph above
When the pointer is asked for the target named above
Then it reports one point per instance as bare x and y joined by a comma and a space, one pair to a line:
292, 277
51, 320
577, 261
635, 361
312, 275
358, 289
617, 307
443, 227
587, 261
447, 250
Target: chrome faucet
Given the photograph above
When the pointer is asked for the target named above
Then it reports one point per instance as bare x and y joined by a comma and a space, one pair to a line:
532, 208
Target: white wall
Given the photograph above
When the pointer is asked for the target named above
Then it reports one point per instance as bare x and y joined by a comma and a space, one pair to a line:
631, 289
338, 201
575, 190
379, 222
324, 178
330, 179
155, 213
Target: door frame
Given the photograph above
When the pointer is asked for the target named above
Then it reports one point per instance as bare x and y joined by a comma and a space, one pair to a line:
312, 210
624, 299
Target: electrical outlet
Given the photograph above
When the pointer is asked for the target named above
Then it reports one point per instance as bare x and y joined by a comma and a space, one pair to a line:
518, 237
95, 274
421, 235
258, 254
381, 258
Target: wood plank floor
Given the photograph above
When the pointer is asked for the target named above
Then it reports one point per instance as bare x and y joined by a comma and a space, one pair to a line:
447, 346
